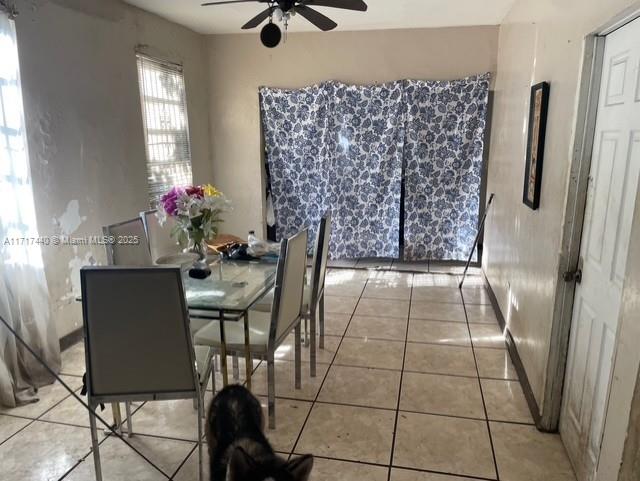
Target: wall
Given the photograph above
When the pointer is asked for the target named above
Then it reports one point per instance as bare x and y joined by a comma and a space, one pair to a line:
540, 40
84, 123
239, 65
631, 456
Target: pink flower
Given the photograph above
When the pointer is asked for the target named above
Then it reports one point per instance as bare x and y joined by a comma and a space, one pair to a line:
169, 200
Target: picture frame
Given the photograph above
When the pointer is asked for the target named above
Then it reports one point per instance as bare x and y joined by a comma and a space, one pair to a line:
538, 109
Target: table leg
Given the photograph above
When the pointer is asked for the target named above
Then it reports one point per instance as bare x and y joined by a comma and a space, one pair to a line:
117, 417
248, 362
236, 367
223, 352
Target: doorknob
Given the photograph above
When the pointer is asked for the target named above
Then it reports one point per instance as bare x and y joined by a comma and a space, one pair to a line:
571, 276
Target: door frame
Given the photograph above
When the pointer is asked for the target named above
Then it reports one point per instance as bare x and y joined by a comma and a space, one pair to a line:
569, 257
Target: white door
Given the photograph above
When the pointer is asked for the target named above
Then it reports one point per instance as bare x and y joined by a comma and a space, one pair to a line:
613, 184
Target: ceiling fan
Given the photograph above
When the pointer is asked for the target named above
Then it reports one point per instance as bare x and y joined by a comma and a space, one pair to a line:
283, 10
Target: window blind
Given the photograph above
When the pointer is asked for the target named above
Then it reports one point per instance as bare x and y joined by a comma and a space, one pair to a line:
166, 127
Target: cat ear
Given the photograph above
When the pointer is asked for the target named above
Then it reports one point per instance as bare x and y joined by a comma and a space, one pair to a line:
300, 467
240, 464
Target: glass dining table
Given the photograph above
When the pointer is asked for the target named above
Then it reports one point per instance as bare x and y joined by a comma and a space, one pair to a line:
227, 295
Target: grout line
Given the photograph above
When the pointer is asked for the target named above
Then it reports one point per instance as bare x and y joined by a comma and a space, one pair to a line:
445, 473
404, 358
184, 461
62, 423
380, 408
405, 468
484, 404
18, 416
72, 468
31, 421
433, 373
295, 444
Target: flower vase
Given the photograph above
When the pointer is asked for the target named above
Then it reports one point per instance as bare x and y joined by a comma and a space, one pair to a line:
200, 269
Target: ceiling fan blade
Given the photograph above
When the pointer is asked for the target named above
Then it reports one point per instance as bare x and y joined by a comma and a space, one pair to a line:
257, 20
357, 5
319, 20
225, 2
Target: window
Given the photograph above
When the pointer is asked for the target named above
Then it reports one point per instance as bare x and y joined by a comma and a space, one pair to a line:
18, 214
166, 127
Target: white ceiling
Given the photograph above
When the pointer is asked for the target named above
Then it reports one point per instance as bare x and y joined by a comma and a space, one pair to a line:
382, 14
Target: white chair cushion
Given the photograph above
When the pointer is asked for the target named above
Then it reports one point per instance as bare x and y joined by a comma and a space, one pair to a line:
259, 323
264, 304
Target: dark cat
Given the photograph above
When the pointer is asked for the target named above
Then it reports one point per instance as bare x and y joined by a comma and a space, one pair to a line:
238, 448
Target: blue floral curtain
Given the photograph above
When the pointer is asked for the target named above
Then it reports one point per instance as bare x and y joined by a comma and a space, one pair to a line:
445, 127
342, 148
297, 148
365, 169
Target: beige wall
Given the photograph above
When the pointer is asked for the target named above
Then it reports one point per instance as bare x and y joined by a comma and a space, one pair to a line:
540, 40
631, 457
239, 64
84, 124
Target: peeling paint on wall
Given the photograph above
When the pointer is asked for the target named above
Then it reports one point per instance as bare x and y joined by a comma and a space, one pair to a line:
71, 219
73, 281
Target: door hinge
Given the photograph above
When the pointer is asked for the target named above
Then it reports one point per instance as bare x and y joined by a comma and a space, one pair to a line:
571, 276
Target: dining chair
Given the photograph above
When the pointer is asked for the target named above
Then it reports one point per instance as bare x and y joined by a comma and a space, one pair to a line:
161, 244
137, 342
266, 331
165, 250
129, 245
313, 300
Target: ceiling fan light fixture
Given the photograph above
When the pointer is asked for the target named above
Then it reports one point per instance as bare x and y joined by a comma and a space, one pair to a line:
270, 35
278, 14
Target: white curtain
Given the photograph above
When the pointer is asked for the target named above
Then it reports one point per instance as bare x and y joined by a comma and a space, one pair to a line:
23, 289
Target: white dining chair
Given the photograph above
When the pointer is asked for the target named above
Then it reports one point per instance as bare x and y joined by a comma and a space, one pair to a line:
129, 245
313, 300
138, 346
268, 330
164, 248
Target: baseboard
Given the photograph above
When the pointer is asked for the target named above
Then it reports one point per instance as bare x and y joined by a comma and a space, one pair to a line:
71, 339
515, 357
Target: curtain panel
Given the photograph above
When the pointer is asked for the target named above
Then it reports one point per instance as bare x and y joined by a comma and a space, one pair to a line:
297, 144
443, 151
24, 297
365, 169
345, 148
336, 147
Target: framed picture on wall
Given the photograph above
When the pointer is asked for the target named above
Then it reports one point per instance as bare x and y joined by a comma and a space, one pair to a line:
538, 108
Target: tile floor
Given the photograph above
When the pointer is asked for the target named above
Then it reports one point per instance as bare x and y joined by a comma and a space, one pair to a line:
414, 384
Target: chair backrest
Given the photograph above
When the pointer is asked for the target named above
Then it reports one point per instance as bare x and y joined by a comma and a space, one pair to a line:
137, 339
160, 241
130, 246
289, 288
320, 256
